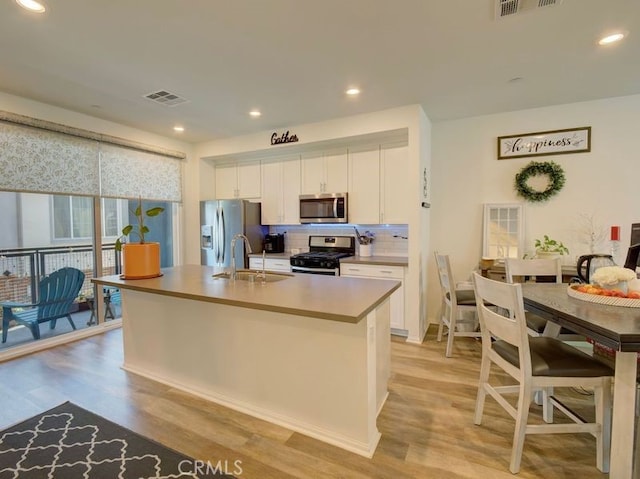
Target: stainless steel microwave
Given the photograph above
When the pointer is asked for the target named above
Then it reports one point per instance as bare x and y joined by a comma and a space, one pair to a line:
323, 208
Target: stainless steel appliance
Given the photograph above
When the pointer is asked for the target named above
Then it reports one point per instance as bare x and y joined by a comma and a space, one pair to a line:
220, 221
274, 243
323, 208
324, 255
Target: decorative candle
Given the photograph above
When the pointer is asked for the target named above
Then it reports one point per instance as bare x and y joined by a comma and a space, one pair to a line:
615, 233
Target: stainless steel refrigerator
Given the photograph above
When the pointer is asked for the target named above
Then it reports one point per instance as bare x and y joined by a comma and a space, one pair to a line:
220, 221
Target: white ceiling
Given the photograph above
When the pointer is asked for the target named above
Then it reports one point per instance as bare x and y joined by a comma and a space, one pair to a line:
293, 59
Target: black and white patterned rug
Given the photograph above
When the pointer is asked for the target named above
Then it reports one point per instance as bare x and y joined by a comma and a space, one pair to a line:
69, 442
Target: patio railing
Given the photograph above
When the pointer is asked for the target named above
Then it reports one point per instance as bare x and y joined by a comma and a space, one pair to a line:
22, 269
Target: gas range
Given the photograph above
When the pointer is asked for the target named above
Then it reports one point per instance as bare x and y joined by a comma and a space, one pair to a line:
324, 255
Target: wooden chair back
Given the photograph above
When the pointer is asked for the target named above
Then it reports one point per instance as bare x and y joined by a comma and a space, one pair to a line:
447, 284
505, 318
533, 267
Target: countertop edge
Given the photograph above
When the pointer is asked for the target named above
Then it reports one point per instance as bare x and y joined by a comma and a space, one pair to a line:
131, 285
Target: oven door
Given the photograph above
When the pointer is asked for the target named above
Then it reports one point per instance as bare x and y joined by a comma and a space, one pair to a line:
324, 271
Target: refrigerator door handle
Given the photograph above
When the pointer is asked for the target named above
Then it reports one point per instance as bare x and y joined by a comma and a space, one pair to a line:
217, 235
224, 246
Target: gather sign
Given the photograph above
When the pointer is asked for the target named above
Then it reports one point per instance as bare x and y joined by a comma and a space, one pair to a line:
283, 138
552, 142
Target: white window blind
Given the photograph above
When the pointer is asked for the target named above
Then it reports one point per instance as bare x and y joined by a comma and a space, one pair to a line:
40, 160
43, 161
127, 173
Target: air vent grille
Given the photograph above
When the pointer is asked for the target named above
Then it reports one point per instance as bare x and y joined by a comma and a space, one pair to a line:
165, 98
507, 8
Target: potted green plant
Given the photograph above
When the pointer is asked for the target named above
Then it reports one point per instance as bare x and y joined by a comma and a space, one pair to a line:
549, 248
139, 259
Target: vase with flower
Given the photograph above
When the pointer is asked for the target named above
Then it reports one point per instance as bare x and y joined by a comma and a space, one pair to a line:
613, 278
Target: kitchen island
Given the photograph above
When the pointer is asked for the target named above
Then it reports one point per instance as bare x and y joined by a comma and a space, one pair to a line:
308, 352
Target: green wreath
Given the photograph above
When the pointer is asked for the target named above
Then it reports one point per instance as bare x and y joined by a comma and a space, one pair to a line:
549, 168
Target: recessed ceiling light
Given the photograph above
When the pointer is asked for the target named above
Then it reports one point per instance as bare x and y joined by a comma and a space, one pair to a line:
32, 5
616, 37
255, 113
353, 91
179, 129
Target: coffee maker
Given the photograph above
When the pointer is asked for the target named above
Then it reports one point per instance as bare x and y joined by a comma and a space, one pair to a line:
274, 243
588, 263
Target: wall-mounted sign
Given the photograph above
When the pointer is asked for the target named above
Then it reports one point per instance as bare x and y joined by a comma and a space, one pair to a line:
553, 142
284, 138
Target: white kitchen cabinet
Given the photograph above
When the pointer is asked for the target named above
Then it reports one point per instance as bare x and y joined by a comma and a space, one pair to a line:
271, 264
238, 180
378, 179
374, 271
324, 173
364, 186
395, 196
280, 192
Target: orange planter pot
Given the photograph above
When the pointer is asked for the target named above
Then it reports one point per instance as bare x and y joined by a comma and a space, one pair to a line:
140, 261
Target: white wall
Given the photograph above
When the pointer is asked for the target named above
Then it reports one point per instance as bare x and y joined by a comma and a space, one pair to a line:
381, 121
602, 184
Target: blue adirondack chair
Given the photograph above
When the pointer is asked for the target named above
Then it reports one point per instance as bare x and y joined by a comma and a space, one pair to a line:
56, 294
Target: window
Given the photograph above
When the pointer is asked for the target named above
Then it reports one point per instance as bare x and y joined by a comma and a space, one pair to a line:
503, 231
72, 217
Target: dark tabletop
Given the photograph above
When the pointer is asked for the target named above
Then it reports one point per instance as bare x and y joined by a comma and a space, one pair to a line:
615, 326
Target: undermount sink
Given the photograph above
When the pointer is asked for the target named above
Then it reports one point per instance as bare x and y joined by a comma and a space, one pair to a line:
254, 276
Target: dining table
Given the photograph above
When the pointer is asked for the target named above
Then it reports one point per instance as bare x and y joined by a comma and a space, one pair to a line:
613, 326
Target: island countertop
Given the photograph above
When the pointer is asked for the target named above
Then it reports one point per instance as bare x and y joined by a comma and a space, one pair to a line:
324, 297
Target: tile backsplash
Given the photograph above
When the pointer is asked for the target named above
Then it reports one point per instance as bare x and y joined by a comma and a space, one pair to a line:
390, 240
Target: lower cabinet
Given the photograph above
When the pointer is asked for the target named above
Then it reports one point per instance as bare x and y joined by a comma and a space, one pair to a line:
372, 271
271, 264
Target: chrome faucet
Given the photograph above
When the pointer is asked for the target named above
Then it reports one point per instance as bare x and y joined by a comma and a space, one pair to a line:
233, 252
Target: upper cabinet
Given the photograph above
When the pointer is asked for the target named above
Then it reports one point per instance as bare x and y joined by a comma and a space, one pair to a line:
238, 180
374, 176
324, 173
378, 179
280, 192
395, 195
364, 186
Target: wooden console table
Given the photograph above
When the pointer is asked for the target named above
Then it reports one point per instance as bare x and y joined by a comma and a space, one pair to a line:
498, 273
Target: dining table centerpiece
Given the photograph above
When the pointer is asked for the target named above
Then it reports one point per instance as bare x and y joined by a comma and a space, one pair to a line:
610, 285
613, 278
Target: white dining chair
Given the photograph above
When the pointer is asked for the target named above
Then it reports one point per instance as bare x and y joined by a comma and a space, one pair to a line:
533, 270
458, 306
537, 364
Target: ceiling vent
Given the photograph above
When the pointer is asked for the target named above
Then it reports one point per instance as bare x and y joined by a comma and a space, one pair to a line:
508, 8
165, 98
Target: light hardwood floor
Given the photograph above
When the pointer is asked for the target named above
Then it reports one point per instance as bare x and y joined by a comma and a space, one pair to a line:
426, 424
